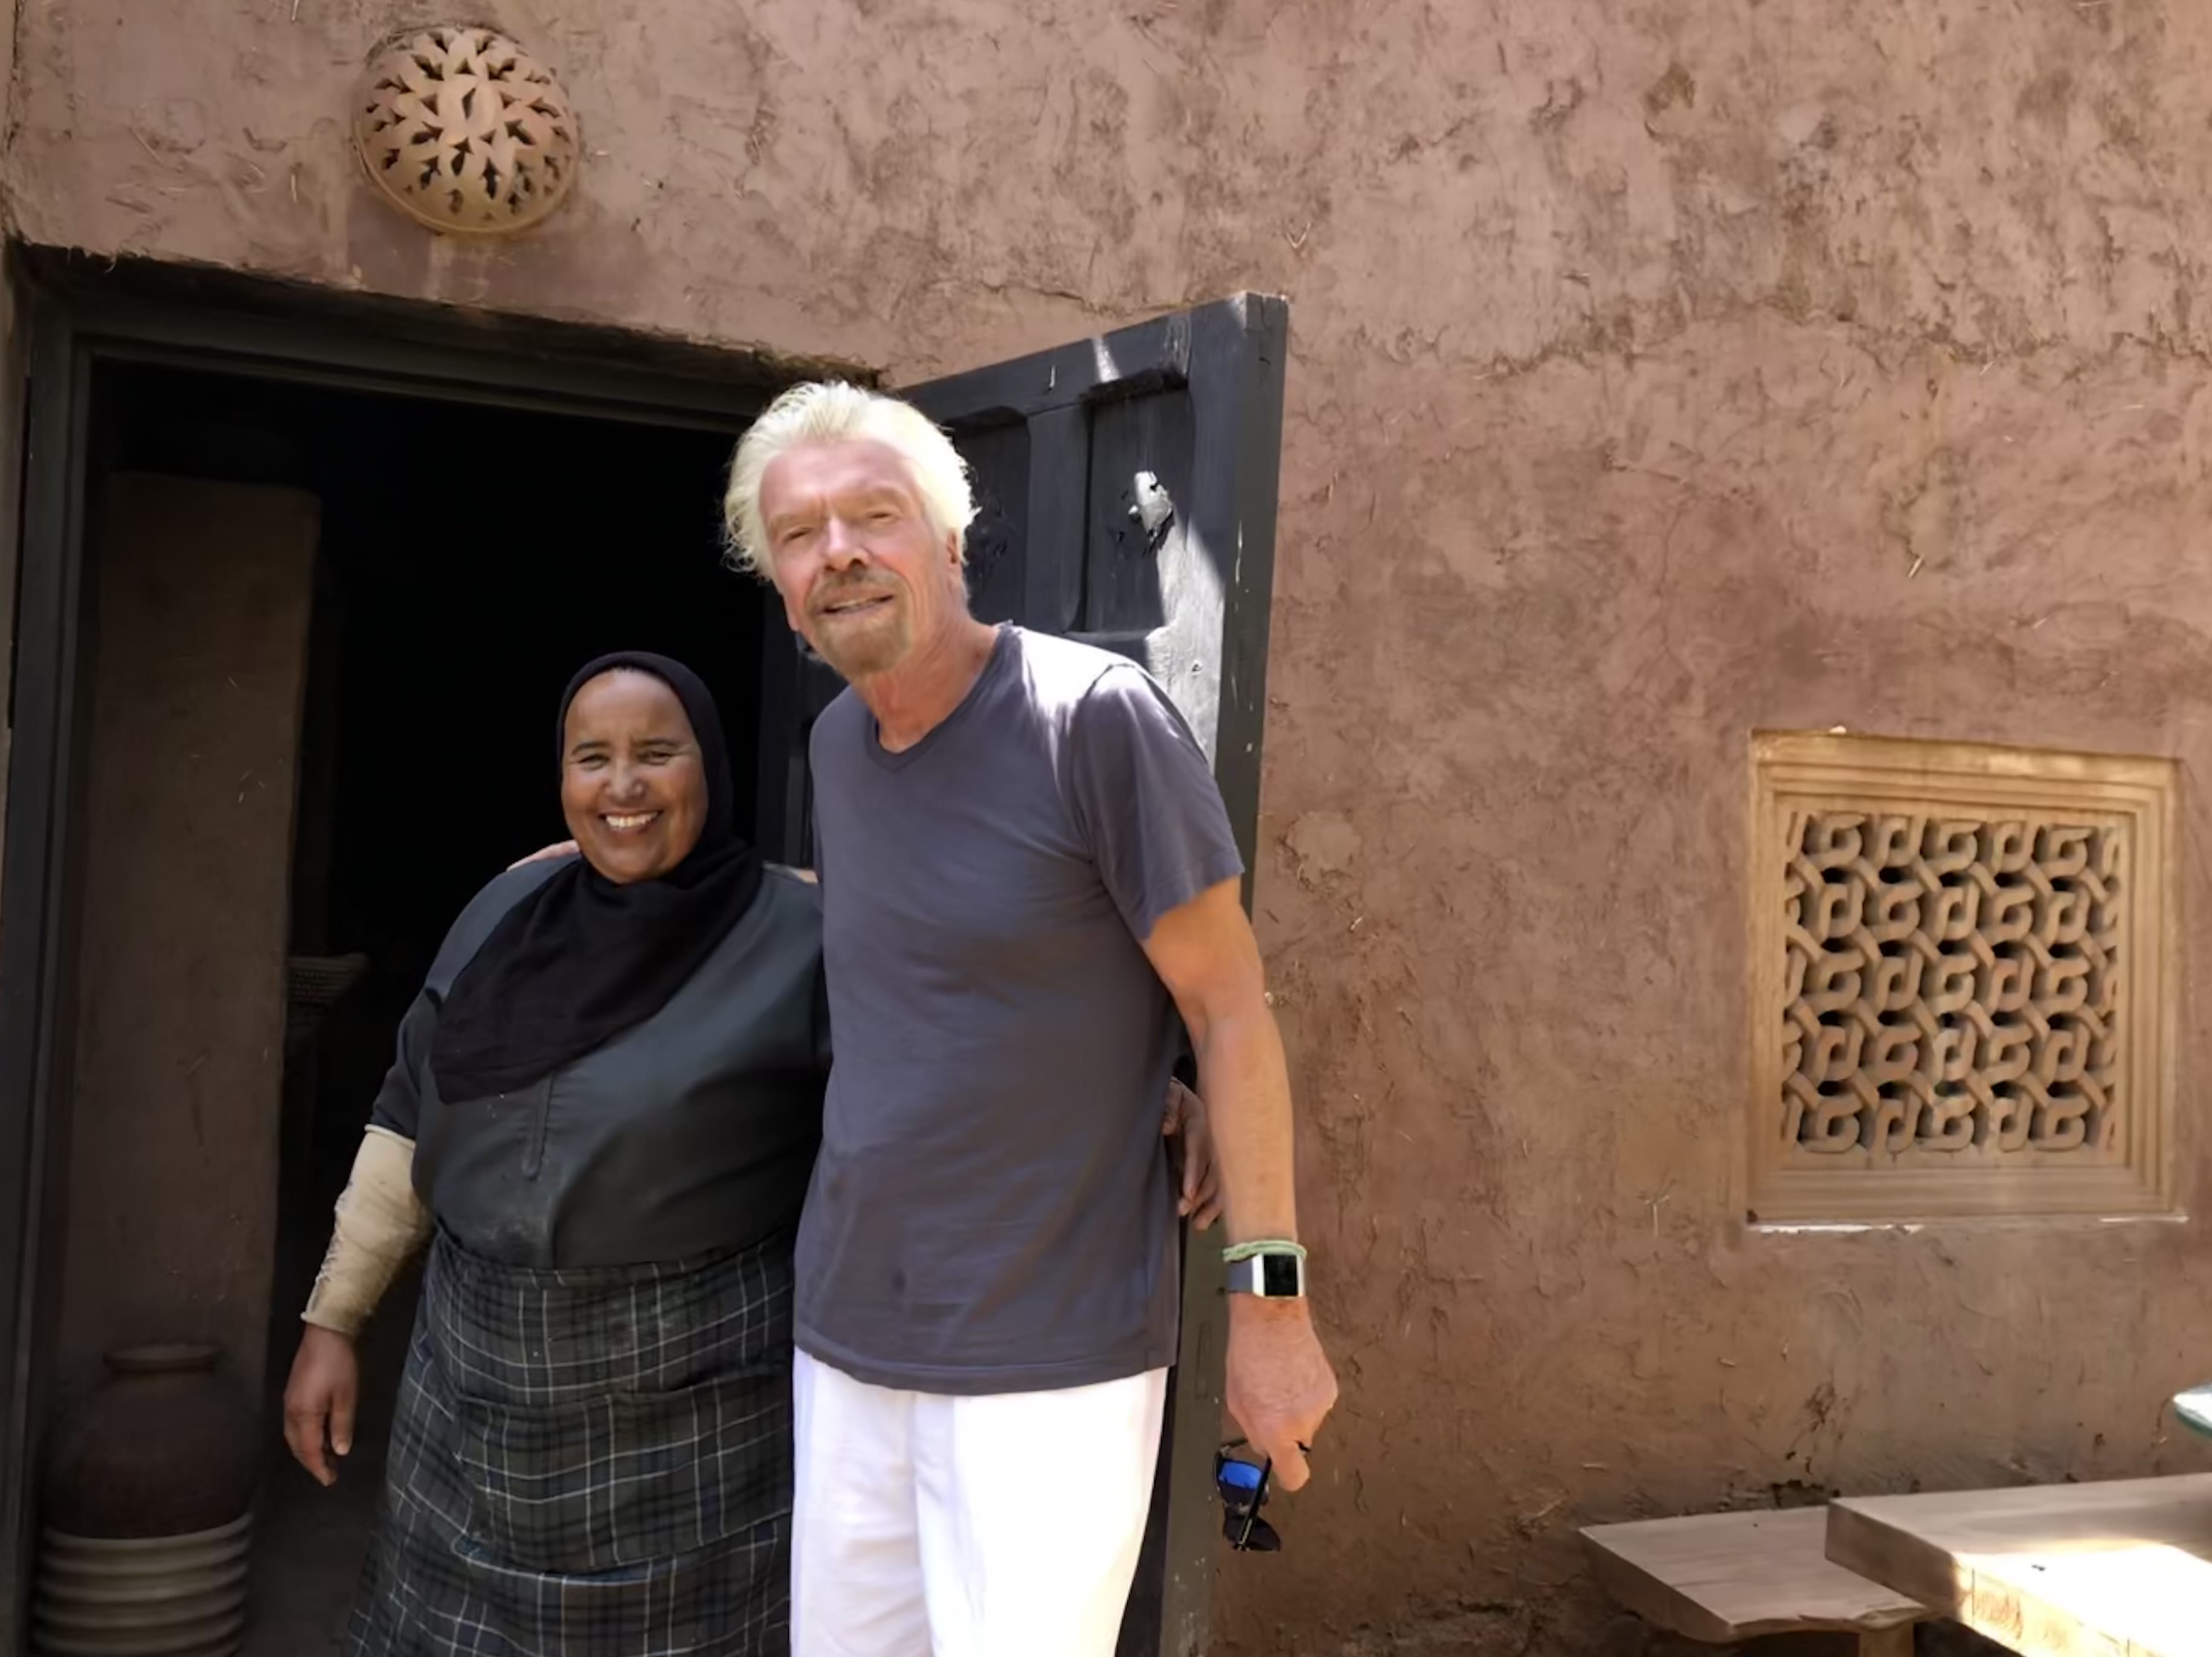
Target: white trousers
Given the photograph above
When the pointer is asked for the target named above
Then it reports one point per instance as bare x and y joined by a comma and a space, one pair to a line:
1007, 1526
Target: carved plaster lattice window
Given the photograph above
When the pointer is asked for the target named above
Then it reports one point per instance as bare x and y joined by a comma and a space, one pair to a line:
1961, 982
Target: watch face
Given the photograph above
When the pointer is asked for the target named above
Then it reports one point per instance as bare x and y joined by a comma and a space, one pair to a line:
1279, 1276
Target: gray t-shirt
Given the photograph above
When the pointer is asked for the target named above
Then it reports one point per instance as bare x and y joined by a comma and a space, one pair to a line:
991, 1211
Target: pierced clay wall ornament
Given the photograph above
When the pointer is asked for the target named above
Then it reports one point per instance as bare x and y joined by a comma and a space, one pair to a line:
463, 130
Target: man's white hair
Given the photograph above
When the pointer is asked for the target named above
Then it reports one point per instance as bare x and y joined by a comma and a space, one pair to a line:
829, 412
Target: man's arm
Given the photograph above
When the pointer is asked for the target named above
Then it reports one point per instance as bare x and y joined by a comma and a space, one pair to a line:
1206, 955
1280, 1383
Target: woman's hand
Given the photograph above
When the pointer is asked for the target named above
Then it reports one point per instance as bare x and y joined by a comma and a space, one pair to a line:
319, 1400
1200, 1199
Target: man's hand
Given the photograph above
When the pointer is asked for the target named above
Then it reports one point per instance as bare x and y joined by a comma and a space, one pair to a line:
1200, 1201
319, 1400
567, 849
1280, 1386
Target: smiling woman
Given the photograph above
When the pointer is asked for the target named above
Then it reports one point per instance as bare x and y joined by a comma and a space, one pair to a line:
632, 786
606, 1102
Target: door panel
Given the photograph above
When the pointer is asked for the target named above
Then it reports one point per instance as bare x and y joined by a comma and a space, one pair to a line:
1131, 480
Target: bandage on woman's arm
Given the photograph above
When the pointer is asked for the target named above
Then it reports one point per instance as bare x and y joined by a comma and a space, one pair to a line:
380, 1223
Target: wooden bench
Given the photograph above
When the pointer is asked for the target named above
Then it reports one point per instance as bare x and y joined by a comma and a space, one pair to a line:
2063, 1570
1727, 1576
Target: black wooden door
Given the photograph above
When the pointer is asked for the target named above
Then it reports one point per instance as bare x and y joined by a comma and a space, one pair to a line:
1127, 495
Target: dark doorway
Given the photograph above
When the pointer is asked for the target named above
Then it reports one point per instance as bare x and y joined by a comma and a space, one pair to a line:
467, 559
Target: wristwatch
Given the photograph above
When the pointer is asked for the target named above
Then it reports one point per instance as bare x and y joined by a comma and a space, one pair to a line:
1271, 1270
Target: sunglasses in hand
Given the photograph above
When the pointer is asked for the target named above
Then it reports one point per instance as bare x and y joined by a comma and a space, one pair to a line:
1244, 1488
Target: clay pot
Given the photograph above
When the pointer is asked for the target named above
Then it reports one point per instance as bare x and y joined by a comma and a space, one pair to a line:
148, 1497
164, 1447
174, 1596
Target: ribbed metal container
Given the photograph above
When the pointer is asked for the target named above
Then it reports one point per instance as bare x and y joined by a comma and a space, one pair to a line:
159, 1596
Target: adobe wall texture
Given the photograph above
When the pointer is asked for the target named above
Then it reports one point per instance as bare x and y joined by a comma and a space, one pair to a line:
1659, 374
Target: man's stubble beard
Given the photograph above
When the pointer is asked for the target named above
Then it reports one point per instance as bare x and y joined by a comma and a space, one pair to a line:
880, 653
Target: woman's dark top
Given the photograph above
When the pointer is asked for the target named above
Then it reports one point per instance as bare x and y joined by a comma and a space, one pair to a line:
690, 1132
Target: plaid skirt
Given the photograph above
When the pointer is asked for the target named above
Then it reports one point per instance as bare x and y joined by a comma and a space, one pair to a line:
589, 1463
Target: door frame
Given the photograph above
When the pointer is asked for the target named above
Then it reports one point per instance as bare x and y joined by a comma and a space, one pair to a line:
81, 315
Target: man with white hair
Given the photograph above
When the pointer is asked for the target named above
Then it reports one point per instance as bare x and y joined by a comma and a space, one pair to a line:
1027, 872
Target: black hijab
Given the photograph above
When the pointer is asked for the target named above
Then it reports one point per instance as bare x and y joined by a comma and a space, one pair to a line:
583, 958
